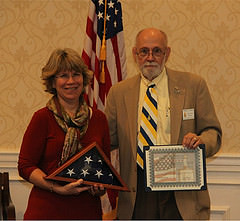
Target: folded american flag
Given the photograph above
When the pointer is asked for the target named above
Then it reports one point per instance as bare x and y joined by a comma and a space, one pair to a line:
91, 165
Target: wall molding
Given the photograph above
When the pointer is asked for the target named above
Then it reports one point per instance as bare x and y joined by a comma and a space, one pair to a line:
8, 162
223, 174
224, 169
224, 163
220, 212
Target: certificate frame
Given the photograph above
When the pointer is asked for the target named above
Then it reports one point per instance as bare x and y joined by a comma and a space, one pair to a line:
174, 167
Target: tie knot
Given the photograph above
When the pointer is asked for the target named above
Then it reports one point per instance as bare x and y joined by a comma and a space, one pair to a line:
151, 85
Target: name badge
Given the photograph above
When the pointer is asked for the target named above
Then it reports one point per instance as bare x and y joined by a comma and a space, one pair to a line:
188, 114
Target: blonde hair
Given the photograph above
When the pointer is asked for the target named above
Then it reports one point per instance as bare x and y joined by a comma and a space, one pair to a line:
65, 59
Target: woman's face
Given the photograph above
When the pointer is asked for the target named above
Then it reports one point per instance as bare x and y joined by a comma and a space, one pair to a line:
69, 86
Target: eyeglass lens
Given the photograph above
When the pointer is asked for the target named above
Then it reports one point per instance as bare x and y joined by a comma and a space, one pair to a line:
156, 52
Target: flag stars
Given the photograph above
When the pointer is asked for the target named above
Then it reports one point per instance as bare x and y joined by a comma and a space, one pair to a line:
111, 4
98, 173
116, 11
108, 17
100, 2
85, 172
88, 159
100, 15
71, 172
100, 161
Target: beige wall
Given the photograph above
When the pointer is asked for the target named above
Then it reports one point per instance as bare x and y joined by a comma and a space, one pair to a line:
203, 34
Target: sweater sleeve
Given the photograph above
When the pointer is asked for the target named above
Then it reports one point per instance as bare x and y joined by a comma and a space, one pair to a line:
33, 144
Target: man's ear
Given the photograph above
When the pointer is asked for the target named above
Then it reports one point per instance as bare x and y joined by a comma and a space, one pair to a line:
134, 53
168, 51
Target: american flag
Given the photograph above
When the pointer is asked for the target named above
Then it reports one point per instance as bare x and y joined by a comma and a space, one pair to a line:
92, 167
114, 66
164, 167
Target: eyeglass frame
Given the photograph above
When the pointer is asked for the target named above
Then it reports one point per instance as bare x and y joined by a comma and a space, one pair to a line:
151, 50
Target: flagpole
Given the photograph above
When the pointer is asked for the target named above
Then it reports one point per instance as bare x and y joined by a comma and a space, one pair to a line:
103, 48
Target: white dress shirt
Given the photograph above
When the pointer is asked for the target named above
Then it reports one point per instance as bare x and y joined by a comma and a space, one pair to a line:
163, 123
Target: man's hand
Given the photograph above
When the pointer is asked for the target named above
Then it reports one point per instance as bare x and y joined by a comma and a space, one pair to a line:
191, 140
97, 190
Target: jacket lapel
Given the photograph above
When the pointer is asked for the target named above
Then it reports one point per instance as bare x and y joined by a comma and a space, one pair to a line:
131, 101
176, 96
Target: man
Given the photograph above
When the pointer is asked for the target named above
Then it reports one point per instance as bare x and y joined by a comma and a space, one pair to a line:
186, 116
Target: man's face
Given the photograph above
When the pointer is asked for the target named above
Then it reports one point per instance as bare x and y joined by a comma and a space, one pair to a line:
151, 53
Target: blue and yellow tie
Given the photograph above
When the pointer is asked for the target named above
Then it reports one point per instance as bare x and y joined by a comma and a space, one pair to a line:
148, 125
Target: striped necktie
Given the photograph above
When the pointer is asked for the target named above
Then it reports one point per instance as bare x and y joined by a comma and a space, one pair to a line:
148, 124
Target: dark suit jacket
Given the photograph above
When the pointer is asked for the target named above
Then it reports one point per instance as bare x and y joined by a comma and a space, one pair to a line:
185, 91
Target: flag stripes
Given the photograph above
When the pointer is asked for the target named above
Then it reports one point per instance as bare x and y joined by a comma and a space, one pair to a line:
115, 68
115, 64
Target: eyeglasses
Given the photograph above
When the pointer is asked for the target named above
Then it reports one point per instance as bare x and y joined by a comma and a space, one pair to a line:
65, 76
156, 52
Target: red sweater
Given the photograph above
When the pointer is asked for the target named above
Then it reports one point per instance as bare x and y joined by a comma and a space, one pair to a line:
41, 148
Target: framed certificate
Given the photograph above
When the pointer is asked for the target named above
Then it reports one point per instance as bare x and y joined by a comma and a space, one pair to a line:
174, 167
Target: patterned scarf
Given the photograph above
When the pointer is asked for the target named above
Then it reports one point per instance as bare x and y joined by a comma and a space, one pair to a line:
75, 127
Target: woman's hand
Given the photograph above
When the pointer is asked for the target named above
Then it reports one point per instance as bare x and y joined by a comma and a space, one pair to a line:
74, 188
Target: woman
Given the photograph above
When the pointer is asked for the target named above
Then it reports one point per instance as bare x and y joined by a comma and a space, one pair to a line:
57, 132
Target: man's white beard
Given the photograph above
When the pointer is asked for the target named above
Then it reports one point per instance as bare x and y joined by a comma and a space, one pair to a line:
151, 73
